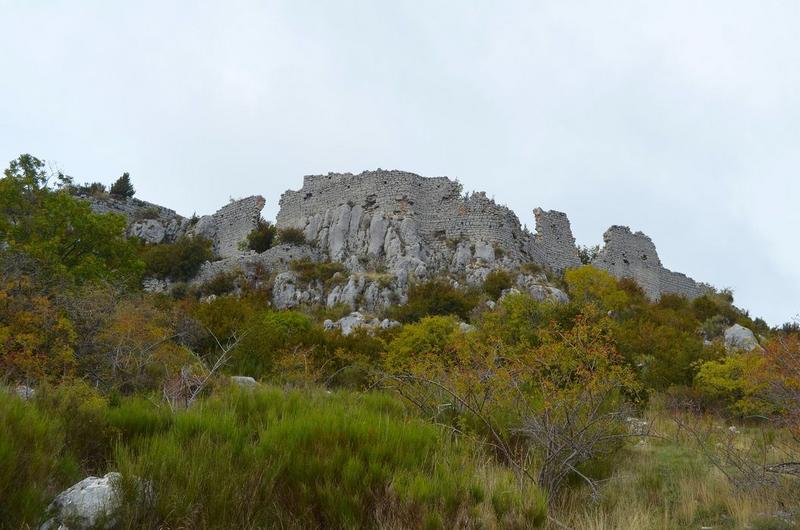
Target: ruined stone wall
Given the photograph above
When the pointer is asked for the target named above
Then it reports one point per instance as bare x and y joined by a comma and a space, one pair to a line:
229, 226
554, 244
633, 255
415, 222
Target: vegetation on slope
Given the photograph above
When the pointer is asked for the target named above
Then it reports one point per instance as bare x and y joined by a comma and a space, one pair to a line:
604, 412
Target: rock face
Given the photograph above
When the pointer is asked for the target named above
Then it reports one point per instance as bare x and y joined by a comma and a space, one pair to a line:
739, 338
150, 222
633, 255
226, 228
91, 503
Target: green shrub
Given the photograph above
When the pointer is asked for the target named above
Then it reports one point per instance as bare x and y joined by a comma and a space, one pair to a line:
431, 337
436, 297
179, 261
219, 284
309, 271
267, 334
262, 236
496, 282
291, 236
33, 465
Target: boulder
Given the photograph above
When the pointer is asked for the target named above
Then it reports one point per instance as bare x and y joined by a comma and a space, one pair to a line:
91, 503
244, 381
25, 392
351, 322
739, 338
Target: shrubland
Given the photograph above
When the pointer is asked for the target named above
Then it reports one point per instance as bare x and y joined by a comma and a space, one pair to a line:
608, 411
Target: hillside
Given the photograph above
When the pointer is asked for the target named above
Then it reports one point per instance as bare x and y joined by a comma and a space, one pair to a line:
388, 353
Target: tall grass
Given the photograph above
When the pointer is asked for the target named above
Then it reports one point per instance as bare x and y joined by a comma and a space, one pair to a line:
667, 483
311, 460
33, 466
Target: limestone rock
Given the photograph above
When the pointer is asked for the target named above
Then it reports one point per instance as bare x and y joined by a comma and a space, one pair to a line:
155, 285
288, 293
91, 503
739, 338
150, 231
244, 381
351, 322
25, 392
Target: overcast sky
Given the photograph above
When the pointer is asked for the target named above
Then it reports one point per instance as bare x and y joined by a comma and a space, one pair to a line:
680, 119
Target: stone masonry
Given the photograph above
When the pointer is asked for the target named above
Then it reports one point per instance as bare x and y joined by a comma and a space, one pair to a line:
230, 225
633, 255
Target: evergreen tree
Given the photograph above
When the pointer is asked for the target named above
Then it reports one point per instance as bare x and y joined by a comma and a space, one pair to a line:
123, 188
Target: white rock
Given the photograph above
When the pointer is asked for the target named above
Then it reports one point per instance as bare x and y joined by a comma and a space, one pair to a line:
739, 338
465, 328
91, 502
25, 392
244, 381
352, 321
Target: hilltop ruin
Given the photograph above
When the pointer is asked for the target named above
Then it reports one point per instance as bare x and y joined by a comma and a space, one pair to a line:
389, 228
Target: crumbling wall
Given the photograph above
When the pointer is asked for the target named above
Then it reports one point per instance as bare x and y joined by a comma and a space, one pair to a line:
554, 244
633, 255
230, 225
418, 225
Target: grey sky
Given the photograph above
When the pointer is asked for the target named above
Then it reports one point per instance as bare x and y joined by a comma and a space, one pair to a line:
680, 119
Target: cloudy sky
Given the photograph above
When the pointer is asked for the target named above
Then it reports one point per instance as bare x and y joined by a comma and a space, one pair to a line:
680, 119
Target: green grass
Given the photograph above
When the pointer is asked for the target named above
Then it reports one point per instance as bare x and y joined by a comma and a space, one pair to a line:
304, 460
33, 465
255, 459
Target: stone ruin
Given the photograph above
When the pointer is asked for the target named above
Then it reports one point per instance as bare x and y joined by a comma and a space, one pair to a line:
633, 255
389, 228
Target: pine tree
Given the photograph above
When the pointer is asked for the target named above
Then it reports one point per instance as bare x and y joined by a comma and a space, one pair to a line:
123, 188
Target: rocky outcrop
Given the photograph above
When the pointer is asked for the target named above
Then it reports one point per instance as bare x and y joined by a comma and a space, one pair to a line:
633, 255
255, 266
355, 320
402, 227
150, 222
91, 503
739, 338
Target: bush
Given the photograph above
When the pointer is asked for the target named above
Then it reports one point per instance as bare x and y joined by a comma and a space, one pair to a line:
122, 187
262, 236
431, 340
291, 236
436, 297
267, 334
588, 284
219, 284
309, 271
179, 261
496, 282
